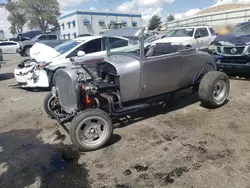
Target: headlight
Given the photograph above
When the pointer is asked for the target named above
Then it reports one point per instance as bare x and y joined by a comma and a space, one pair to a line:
218, 61
212, 48
54, 91
43, 65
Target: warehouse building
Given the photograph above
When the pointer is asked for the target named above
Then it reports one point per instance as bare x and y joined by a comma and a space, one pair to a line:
217, 16
77, 23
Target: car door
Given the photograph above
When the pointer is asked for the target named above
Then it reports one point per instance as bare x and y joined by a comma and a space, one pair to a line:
162, 73
91, 48
205, 37
198, 39
114, 43
42, 39
52, 40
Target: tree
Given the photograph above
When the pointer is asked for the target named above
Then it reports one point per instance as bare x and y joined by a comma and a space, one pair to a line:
41, 13
17, 17
170, 18
13, 29
154, 22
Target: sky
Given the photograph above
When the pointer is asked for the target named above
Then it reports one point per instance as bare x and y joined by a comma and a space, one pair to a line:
163, 8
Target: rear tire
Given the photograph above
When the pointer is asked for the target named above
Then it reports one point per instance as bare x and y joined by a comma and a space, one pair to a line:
91, 129
214, 89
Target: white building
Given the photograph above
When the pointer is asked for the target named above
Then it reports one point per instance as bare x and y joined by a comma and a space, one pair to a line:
93, 22
228, 14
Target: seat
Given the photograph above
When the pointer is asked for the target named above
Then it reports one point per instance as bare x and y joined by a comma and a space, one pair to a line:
164, 48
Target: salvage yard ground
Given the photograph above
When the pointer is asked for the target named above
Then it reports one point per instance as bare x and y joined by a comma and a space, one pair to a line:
181, 146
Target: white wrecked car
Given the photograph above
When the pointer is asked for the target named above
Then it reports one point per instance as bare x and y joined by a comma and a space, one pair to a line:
39, 70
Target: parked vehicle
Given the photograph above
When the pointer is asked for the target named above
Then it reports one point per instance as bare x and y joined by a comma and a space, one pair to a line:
19, 39
48, 39
195, 37
153, 38
26, 35
46, 60
127, 81
9, 46
232, 51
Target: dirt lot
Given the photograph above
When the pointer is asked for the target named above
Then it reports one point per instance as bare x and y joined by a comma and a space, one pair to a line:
182, 146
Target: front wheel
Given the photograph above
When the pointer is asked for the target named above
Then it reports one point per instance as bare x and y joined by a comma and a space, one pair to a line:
27, 51
51, 104
91, 129
214, 89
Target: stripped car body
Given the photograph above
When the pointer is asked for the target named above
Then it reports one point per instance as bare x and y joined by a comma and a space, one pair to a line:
127, 81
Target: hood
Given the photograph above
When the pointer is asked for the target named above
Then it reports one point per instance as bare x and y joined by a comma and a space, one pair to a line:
232, 40
41, 52
172, 39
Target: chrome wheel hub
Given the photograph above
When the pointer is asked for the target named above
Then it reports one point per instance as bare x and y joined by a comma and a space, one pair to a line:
220, 91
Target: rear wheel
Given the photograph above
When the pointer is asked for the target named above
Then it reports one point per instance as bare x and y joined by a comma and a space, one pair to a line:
214, 89
91, 129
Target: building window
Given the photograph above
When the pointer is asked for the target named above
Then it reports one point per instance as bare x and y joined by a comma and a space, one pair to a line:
68, 36
85, 21
74, 24
64, 36
134, 24
101, 22
62, 26
74, 35
69, 25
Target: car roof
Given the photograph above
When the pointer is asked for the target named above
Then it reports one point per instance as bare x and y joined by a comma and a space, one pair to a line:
8, 41
190, 27
89, 38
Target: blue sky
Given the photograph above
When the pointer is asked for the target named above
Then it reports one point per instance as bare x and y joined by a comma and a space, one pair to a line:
178, 6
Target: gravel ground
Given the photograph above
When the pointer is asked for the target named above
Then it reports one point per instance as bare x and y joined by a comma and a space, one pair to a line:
181, 146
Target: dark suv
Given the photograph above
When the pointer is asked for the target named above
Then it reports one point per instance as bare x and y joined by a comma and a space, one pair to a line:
232, 52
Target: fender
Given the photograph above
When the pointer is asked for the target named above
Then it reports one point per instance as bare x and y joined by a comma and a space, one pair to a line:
205, 69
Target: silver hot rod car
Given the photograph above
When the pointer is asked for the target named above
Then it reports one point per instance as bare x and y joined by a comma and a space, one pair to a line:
128, 79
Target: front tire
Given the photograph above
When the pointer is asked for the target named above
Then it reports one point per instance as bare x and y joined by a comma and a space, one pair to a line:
91, 129
214, 89
49, 102
27, 51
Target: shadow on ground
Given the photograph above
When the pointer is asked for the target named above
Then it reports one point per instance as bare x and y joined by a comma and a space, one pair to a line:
27, 160
6, 76
183, 100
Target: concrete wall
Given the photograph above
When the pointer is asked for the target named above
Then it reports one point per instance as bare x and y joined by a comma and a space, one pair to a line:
94, 26
216, 19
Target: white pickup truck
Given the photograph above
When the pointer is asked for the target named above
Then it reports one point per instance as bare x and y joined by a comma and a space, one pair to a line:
196, 37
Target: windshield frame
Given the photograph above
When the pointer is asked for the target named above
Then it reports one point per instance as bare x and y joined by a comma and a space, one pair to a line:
139, 37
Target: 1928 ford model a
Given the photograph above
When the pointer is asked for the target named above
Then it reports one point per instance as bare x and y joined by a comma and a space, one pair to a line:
129, 79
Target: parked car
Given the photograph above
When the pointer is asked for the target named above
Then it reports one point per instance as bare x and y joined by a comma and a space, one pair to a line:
46, 60
48, 39
153, 38
232, 51
195, 37
9, 46
126, 82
